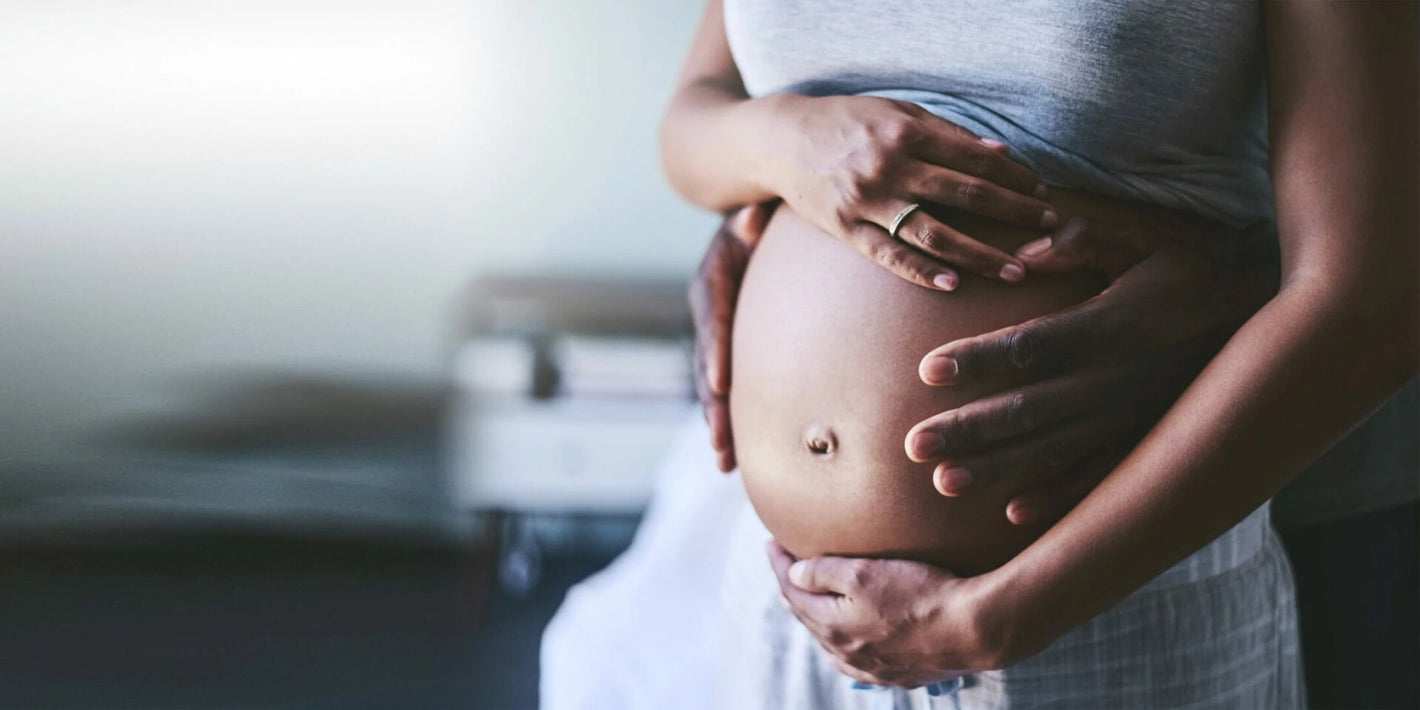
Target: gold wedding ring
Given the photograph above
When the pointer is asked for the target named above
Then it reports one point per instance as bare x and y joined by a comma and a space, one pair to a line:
900, 218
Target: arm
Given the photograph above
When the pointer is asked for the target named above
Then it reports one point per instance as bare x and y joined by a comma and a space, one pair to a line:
1342, 334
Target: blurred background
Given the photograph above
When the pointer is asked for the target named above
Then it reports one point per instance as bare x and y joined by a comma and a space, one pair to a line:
337, 339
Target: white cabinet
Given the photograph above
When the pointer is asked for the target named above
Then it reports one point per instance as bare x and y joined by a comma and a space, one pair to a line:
561, 455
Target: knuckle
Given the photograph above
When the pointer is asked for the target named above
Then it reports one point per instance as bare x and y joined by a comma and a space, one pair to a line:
1022, 348
959, 431
852, 190
969, 192
858, 573
898, 132
875, 171
1022, 413
894, 258
925, 236
888, 255
978, 162
844, 216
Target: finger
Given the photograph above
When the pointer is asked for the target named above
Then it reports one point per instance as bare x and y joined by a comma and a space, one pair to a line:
716, 352
747, 223
1049, 502
1084, 244
952, 146
722, 437
924, 233
1031, 348
907, 263
720, 294
841, 576
856, 674
821, 575
716, 409
818, 608
985, 422
933, 183
1037, 459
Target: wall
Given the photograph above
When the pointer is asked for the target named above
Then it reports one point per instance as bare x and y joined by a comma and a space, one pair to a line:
188, 189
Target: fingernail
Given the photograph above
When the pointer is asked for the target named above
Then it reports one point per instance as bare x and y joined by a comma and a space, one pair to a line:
1049, 219
1040, 190
799, 574
992, 143
946, 282
953, 480
1022, 514
926, 444
1012, 273
939, 370
1035, 248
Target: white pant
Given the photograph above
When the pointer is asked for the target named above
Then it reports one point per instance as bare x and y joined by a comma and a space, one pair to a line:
689, 618
1218, 630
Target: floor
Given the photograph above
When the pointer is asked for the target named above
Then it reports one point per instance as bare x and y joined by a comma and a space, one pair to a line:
241, 621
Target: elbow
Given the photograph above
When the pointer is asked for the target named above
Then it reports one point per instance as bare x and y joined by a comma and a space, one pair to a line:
677, 162
1378, 316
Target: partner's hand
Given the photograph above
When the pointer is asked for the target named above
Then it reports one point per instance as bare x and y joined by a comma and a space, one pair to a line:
1098, 374
850, 164
713, 292
890, 622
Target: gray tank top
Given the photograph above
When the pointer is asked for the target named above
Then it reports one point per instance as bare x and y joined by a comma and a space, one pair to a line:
1161, 101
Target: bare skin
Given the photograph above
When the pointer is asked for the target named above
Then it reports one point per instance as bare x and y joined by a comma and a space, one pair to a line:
1341, 335
826, 346
1337, 339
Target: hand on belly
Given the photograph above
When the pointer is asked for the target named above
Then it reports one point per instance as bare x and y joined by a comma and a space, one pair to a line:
825, 352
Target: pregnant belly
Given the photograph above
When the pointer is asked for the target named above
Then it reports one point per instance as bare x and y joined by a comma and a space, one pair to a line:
826, 346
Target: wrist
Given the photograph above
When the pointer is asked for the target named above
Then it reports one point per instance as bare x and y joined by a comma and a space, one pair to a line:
771, 133
998, 607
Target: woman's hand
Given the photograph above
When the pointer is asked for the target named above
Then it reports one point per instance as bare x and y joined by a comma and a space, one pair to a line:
891, 622
847, 164
850, 164
1098, 374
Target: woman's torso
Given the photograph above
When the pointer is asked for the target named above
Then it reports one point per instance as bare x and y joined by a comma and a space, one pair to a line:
1146, 100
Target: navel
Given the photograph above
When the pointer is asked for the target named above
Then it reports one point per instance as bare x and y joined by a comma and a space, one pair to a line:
820, 440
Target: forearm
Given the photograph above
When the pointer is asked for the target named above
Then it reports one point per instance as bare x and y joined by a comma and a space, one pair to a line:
1295, 378
1338, 339
714, 145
